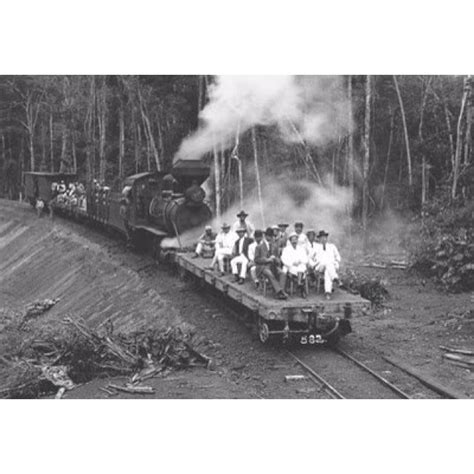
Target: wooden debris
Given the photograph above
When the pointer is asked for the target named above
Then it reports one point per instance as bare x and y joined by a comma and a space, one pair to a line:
457, 351
295, 378
132, 388
426, 380
454, 357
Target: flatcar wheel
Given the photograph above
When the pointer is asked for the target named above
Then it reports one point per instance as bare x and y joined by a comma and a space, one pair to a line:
263, 331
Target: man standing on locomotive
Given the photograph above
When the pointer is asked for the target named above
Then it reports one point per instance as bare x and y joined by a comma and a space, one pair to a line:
207, 243
241, 255
242, 222
267, 267
327, 262
224, 246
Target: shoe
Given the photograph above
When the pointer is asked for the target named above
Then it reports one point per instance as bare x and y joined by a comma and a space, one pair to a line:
241, 281
328, 296
336, 281
236, 278
281, 295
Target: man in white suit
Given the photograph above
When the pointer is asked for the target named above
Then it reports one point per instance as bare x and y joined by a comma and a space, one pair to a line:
327, 262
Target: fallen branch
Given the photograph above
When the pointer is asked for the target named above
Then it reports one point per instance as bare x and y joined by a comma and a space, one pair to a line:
457, 351
132, 388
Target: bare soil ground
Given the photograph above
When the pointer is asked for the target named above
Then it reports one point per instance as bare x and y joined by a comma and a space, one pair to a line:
97, 279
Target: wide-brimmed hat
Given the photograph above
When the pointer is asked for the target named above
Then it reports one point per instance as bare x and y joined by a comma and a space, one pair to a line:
208, 227
299, 224
284, 226
225, 226
242, 214
292, 235
268, 231
322, 233
275, 227
241, 229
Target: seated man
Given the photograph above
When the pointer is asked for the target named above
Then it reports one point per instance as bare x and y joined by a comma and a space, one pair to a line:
295, 260
302, 239
225, 241
240, 255
327, 262
251, 266
242, 222
206, 244
266, 265
311, 248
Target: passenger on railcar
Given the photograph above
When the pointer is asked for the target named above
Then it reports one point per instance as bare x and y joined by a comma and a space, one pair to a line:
311, 248
242, 222
283, 239
251, 254
224, 246
62, 187
295, 260
206, 245
302, 239
125, 211
267, 266
327, 261
240, 255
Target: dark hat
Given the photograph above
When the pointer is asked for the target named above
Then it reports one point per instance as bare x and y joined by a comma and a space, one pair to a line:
322, 233
284, 225
242, 214
268, 231
258, 233
299, 224
225, 226
241, 229
310, 231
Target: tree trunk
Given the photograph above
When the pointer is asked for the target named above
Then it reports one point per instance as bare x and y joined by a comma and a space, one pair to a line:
74, 156
51, 141
350, 139
421, 144
63, 168
387, 161
121, 142
101, 116
257, 175
457, 156
366, 158
405, 133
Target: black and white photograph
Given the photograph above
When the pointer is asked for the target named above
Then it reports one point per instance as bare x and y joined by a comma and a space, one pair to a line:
214, 237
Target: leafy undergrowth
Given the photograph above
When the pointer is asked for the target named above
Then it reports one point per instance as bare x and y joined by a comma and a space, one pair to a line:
445, 247
370, 288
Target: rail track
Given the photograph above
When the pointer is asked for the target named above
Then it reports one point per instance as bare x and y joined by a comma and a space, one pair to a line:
341, 376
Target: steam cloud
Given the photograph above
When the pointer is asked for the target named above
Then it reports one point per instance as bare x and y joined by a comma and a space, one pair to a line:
315, 105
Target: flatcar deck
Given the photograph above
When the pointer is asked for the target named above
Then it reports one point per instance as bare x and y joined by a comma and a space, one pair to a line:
293, 310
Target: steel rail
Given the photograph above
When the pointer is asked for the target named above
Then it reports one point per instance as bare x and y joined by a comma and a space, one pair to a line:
332, 391
381, 379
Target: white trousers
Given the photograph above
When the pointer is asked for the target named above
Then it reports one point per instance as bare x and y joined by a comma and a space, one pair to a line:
243, 260
330, 272
221, 252
295, 269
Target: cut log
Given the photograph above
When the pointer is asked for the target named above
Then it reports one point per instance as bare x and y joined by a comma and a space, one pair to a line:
426, 380
457, 351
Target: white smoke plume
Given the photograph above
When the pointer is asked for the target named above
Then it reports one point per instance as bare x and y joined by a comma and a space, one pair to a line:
311, 107
284, 201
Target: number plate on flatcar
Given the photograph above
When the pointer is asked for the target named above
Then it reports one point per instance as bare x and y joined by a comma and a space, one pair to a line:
312, 339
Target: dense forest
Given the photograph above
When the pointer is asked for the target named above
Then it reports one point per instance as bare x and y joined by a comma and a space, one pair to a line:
409, 136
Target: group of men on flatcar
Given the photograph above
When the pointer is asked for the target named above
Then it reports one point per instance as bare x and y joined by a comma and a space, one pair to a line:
271, 255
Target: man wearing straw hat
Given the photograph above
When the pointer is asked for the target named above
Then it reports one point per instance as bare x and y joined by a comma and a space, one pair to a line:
327, 262
242, 222
206, 243
295, 261
225, 241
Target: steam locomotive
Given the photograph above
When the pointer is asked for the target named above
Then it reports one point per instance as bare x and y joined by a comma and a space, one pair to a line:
158, 204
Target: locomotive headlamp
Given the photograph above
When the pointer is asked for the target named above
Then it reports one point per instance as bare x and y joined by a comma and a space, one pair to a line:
272, 315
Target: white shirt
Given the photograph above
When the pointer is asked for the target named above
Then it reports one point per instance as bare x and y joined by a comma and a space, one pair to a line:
226, 240
312, 249
294, 256
250, 228
251, 251
330, 255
